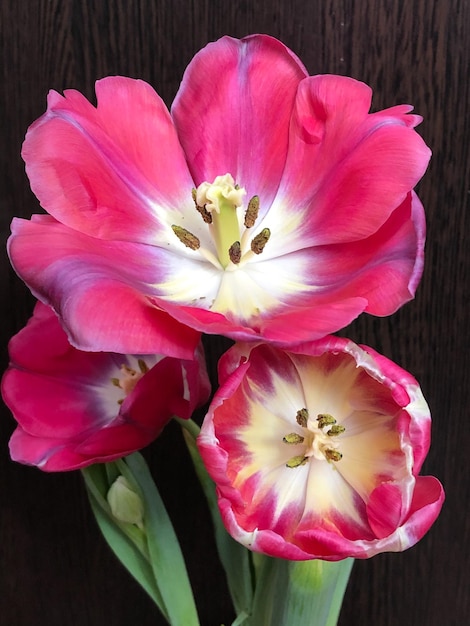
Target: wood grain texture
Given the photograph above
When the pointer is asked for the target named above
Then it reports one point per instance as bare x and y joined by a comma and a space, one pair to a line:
54, 567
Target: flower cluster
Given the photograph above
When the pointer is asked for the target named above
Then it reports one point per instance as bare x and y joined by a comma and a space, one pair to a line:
271, 207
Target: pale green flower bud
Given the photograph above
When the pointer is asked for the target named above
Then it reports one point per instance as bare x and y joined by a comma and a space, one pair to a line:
126, 505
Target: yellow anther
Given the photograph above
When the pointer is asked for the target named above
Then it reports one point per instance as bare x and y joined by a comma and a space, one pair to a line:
333, 455
302, 417
251, 213
325, 419
293, 438
297, 461
143, 366
336, 429
186, 238
258, 243
235, 252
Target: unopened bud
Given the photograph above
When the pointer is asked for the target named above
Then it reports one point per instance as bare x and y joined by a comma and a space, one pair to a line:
126, 505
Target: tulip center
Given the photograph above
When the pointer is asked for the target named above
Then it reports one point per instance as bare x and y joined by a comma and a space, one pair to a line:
218, 203
129, 377
318, 438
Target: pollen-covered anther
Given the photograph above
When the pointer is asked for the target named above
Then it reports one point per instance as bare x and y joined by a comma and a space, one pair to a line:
144, 368
297, 461
235, 252
333, 455
206, 216
293, 438
251, 213
186, 238
302, 417
258, 243
325, 419
336, 429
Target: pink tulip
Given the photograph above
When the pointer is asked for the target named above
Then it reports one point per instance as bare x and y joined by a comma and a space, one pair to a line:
76, 408
268, 205
316, 452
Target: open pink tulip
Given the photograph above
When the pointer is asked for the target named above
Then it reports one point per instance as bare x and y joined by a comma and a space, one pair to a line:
76, 408
270, 204
316, 452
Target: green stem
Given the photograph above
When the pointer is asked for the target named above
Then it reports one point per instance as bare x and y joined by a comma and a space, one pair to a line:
300, 592
235, 559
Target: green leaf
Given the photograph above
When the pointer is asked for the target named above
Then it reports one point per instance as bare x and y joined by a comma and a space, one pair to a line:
165, 554
124, 547
235, 559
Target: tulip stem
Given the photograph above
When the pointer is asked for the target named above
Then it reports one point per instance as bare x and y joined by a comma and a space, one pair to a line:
300, 592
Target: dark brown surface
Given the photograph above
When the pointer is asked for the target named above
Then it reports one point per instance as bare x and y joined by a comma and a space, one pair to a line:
54, 567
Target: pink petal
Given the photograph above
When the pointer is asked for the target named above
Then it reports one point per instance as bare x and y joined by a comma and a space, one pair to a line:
101, 291
383, 269
107, 171
346, 170
232, 112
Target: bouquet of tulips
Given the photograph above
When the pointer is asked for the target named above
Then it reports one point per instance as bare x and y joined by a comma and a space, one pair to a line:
267, 206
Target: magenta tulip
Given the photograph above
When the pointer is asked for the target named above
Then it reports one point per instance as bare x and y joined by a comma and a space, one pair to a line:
268, 205
76, 408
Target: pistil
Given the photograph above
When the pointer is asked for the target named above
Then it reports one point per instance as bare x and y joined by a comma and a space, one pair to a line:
221, 199
218, 203
129, 378
316, 439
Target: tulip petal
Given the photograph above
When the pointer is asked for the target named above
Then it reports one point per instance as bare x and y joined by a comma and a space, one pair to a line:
76, 408
232, 112
112, 171
346, 170
102, 292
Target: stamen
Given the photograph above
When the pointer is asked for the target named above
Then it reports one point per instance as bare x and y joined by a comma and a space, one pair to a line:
297, 461
336, 429
129, 378
325, 419
251, 213
235, 252
302, 417
261, 239
333, 455
206, 216
293, 438
187, 238
144, 368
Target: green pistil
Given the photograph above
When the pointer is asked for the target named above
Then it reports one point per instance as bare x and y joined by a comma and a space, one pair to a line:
225, 229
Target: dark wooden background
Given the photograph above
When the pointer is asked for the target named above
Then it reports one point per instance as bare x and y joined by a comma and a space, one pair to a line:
54, 567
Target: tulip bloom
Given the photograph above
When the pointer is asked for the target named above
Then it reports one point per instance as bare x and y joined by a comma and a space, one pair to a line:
76, 408
268, 205
316, 452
